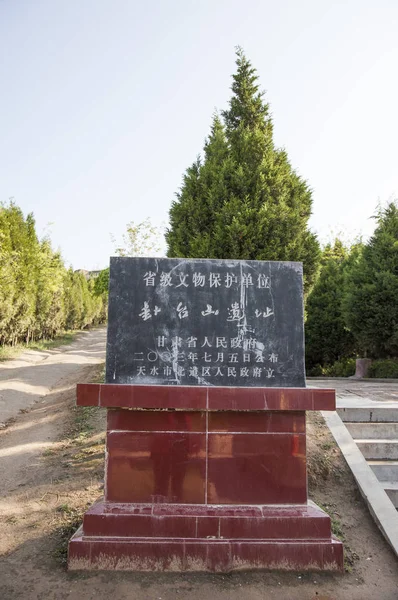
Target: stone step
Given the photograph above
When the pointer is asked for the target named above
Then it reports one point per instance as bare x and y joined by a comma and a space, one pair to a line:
374, 431
381, 414
202, 554
378, 449
193, 522
391, 488
385, 470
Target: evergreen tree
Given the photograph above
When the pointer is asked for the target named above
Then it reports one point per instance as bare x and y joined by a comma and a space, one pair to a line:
49, 319
98, 307
72, 300
101, 283
243, 200
370, 304
21, 255
327, 338
7, 277
38, 296
88, 305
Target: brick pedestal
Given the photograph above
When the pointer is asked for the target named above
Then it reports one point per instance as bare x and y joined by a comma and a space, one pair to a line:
205, 479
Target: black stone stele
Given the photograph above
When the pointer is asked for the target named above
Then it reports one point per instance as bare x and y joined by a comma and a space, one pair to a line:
175, 321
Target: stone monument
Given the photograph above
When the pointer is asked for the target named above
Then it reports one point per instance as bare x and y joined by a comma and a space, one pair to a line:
206, 443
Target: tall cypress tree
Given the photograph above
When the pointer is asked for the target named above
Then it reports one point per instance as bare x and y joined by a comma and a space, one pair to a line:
327, 338
194, 217
370, 303
244, 200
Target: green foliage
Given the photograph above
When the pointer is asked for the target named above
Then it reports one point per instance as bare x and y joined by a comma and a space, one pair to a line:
9, 352
345, 367
39, 298
243, 200
327, 338
101, 283
370, 304
384, 369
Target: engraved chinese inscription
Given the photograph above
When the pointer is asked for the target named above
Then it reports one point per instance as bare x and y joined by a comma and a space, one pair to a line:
205, 322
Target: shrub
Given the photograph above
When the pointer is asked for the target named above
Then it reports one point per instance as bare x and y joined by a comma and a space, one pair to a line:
384, 369
345, 367
316, 371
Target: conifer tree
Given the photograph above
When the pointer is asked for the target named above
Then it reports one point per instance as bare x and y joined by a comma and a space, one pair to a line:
49, 318
243, 200
7, 277
370, 303
22, 257
38, 296
101, 283
72, 301
327, 338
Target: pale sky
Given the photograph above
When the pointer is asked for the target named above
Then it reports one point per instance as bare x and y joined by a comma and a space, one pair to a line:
105, 103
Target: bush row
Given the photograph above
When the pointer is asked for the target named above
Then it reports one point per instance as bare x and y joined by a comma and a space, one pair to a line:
39, 296
379, 369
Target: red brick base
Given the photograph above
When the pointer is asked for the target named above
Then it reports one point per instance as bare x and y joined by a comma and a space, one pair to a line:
167, 537
205, 479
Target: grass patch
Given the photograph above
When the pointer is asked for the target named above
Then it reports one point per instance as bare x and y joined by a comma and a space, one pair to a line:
9, 352
12, 520
80, 451
321, 460
71, 521
61, 340
49, 452
337, 529
100, 376
83, 453
335, 522
80, 427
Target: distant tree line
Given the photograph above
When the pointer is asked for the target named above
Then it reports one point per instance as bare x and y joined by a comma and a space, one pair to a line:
353, 309
39, 296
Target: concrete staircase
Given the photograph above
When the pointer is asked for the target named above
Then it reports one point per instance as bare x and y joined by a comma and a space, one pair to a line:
375, 431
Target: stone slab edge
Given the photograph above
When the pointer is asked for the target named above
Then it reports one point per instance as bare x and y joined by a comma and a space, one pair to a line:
379, 504
353, 378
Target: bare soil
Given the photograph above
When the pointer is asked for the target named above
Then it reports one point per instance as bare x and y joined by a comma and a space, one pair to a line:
51, 470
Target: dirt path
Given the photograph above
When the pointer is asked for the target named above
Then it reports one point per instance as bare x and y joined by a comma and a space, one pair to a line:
33, 374
51, 470
39, 380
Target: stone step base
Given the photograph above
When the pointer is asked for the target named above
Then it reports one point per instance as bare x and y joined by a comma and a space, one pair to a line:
306, 521
368, 415
378, 449
391, 489
166, 537
385, 470
161, 554
375, 431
